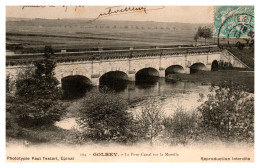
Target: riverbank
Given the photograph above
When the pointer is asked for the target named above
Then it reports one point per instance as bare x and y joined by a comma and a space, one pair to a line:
245, 78
173, 95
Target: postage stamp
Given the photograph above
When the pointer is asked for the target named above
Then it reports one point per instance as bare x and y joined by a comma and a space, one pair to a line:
234, 25
130, 84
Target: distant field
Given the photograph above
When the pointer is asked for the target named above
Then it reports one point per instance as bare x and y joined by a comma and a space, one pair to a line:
67, 33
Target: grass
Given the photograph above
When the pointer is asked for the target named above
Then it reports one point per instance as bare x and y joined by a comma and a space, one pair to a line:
246, 55
80, 34
37, 135
206, 77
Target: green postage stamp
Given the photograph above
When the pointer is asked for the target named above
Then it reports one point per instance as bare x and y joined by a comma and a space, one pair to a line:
234, 25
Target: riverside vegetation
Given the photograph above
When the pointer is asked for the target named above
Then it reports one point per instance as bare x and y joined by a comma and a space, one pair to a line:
226, 115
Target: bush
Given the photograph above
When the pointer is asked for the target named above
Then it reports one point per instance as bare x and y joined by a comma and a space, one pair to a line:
39, 112
229, 112
182, 126
224, 65
150, 121
12, 128
37, 95
10, 84
38, 82
7, 84
103, 117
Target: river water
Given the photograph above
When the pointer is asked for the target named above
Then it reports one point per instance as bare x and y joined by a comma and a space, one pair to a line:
168, 95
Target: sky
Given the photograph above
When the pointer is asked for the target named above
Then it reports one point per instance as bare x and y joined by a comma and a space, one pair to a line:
183, 14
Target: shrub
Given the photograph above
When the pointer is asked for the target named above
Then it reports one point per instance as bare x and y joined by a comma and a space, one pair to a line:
103, 117
7, 84
229, 112
225, 65
12, 128
150, 121
37, 95
10, 84
182, 126
39, 82
38, 112
75, 136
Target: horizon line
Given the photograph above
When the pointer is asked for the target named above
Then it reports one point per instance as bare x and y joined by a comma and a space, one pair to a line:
29, 18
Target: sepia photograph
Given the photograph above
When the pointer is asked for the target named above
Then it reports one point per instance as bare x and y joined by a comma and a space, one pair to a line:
129, 83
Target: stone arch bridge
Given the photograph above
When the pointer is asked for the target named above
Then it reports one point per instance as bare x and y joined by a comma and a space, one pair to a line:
129, 68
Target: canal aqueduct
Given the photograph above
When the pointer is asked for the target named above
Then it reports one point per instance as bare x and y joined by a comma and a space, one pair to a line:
128, 68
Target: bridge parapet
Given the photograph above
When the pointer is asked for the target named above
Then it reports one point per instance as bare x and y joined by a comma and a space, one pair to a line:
129, 64
25, 59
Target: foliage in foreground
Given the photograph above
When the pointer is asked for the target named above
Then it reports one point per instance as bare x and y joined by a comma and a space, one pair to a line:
104, 118
39, 82
36, 101
149, 122
229, 112
182, 126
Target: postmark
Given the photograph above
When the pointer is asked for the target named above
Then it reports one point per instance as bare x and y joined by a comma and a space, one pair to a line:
234, 26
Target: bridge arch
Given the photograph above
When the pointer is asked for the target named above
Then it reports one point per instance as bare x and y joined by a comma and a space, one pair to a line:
147, 75
214, 65
114, 80
147, 72
174, 69
75, 86
197, 67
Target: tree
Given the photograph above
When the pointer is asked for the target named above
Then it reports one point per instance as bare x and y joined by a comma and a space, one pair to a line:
38, 95
204, 32
8, 84
150, 121
196, 37
229, 112
103, 117
40, 84
182, 126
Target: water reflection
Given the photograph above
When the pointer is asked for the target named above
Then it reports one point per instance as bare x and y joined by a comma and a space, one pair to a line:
76, 91
170, 95
75, 86
116, 85
144, 87
146, 82
114, 80
150, 86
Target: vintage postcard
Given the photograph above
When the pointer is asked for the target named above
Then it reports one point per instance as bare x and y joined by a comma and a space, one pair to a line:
130, 84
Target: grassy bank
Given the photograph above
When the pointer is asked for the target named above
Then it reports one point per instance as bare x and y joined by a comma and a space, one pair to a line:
246, 55
33, 136
103, 117
206, 77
